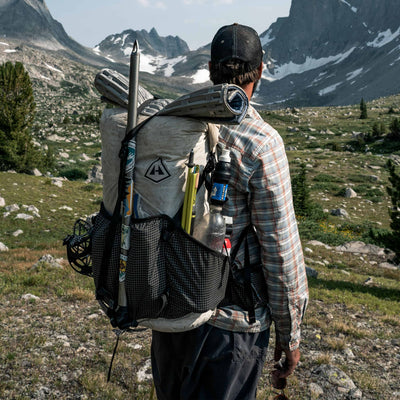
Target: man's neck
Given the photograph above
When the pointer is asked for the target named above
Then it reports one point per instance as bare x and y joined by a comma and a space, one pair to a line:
248, 89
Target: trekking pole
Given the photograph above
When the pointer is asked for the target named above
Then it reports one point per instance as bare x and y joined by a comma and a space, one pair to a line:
122, 311
133, 87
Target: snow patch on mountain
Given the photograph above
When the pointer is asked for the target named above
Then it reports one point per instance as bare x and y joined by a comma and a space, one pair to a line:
267, 38
353, 74
354, 9
52, 68
153, 64
310, 63
384, 38
329, 89
7, 50
201, 76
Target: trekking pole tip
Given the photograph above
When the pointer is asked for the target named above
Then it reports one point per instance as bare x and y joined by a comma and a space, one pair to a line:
135, 48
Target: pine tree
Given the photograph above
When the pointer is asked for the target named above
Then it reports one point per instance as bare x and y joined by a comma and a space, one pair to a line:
394, 212
394, 127
363, 109
301, 192
17, 113
376, 132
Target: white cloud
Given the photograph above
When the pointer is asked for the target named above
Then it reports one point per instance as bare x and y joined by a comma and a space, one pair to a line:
207, 2
152, 4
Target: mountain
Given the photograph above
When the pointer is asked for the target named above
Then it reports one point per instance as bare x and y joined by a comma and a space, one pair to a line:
332, 52
326, 52
28, 33
160, 56
29, 22
119, 46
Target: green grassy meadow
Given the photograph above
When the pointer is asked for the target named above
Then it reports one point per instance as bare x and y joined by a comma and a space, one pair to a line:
58, 344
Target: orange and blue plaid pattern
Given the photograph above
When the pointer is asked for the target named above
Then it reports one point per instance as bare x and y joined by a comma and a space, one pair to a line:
260, 192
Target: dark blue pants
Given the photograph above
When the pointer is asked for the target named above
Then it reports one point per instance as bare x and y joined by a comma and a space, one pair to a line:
207, 363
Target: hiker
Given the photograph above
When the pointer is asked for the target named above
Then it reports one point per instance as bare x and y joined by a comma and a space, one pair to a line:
224, 358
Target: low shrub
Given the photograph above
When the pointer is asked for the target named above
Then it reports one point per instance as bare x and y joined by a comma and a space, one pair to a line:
74, 174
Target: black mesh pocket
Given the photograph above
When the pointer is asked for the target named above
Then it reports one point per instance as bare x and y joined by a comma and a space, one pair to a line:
105, 265
238, 292
169, 274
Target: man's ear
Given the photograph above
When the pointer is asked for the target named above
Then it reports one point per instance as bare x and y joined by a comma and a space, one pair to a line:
260, 70
209, 65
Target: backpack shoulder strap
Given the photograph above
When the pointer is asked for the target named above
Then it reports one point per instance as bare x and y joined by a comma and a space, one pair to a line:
213, 135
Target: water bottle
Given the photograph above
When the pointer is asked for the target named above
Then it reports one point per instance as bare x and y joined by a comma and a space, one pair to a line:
221, 176
210, 229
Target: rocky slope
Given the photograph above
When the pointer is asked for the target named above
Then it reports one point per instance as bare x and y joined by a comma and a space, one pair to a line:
332, 52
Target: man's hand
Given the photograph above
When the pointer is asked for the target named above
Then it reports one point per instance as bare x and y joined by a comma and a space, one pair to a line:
284, 369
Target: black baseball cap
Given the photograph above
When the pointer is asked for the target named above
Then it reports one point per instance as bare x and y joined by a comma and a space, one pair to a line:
237, 42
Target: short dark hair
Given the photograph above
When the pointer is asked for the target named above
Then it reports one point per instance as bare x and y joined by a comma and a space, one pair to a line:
233, 71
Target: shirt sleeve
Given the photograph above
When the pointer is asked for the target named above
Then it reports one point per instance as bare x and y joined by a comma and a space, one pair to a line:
273, 216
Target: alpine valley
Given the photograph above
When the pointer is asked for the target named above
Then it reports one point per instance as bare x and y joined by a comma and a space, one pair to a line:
55, 341
326, 52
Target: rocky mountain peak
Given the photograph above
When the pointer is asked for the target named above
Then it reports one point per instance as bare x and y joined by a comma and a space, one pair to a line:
332, 52
151, 43
31, 21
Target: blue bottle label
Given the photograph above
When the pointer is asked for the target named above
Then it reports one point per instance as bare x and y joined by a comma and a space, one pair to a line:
219, 191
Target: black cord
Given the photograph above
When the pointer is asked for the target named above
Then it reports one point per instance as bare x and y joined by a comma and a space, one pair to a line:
118, 333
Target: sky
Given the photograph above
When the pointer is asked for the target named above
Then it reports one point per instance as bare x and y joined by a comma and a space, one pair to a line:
195, 21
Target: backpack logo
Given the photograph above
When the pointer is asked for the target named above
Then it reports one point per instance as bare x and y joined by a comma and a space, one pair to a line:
157, 171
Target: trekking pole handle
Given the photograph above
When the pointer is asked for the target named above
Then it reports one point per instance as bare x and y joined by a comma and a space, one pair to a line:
133, 87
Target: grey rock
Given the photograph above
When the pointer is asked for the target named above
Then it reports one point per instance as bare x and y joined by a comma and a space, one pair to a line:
350, 193
29, 296
95, 175
31, 209
3, 247
57, 182
47, 259
387, 265
36, 172
2, 202
339, 212
24, 216
311, 272
355, 394
315, 390
12, 207
361, 247
318, 243
349, 353
335, 383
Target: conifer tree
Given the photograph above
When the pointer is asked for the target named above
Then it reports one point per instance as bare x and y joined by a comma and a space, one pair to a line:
301, 192
394, 129
17, 113
363, 109
394, 212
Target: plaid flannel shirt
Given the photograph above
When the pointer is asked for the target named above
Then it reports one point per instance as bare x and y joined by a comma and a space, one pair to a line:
260, 192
